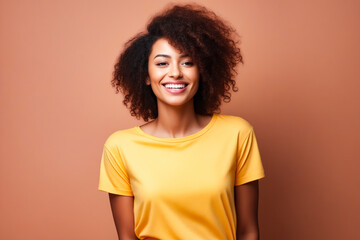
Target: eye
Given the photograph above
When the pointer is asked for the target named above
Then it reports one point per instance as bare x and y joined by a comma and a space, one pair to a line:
161, 64
188, 63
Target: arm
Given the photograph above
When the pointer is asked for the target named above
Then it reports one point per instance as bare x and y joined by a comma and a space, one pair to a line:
122, 210
246, 203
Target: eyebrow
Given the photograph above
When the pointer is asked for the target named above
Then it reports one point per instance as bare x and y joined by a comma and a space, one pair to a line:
167, 56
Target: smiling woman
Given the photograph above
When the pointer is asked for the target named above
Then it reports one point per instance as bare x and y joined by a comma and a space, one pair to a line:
190, 172
173, 77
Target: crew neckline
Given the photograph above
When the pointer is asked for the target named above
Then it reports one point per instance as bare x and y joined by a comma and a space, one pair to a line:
180, 139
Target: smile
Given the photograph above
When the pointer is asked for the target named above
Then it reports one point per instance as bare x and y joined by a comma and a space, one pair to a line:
175, 87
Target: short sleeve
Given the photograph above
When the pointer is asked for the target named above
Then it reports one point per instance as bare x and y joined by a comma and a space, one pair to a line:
113, 175
248, 166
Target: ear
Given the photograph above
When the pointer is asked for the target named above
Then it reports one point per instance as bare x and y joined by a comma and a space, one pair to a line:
147, 81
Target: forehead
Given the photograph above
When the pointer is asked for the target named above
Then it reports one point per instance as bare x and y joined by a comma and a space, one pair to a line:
163, 46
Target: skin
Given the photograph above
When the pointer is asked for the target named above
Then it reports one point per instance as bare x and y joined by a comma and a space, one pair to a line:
176, 114
246, 204
177, 118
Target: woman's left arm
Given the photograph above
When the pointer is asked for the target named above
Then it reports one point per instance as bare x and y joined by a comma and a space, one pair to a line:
246, 203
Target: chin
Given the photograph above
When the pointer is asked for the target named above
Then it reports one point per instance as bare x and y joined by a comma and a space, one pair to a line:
177, 102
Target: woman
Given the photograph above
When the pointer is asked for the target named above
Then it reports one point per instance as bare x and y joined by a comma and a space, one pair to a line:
189, 173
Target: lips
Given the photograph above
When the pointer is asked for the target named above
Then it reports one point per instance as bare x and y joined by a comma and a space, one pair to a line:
177, 87
174, 86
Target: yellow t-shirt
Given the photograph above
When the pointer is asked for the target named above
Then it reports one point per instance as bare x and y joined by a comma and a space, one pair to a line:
183, 187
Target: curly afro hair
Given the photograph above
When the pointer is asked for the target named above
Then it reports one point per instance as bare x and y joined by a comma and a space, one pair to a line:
203, 36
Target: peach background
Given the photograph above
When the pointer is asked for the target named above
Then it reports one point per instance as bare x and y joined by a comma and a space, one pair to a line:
299, 88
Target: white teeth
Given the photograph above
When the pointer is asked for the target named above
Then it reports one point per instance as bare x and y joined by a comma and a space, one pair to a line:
175, 86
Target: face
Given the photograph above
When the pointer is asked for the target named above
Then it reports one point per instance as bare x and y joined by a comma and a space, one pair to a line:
173, 76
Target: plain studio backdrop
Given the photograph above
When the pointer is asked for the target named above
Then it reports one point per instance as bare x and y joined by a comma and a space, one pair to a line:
299, 87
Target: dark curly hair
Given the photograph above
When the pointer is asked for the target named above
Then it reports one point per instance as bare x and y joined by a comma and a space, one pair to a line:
203, 36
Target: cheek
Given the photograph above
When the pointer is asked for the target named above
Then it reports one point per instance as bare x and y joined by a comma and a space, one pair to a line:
196, 77
197, 87
198, 81
156, 76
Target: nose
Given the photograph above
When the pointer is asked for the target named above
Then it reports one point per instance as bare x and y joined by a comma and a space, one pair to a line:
175, 71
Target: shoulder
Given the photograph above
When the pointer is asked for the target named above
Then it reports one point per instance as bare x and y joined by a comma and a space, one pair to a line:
119, 136
234, 123
232, 127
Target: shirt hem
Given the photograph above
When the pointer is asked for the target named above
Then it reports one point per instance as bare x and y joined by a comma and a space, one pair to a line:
249, 179
115, 191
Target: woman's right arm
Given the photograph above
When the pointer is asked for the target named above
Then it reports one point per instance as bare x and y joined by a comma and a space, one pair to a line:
122, 210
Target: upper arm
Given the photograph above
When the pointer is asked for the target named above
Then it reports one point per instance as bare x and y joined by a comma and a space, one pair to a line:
246, 203
122, 210
248, 164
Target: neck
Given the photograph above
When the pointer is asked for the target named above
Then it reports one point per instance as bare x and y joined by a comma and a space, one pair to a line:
173, 122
